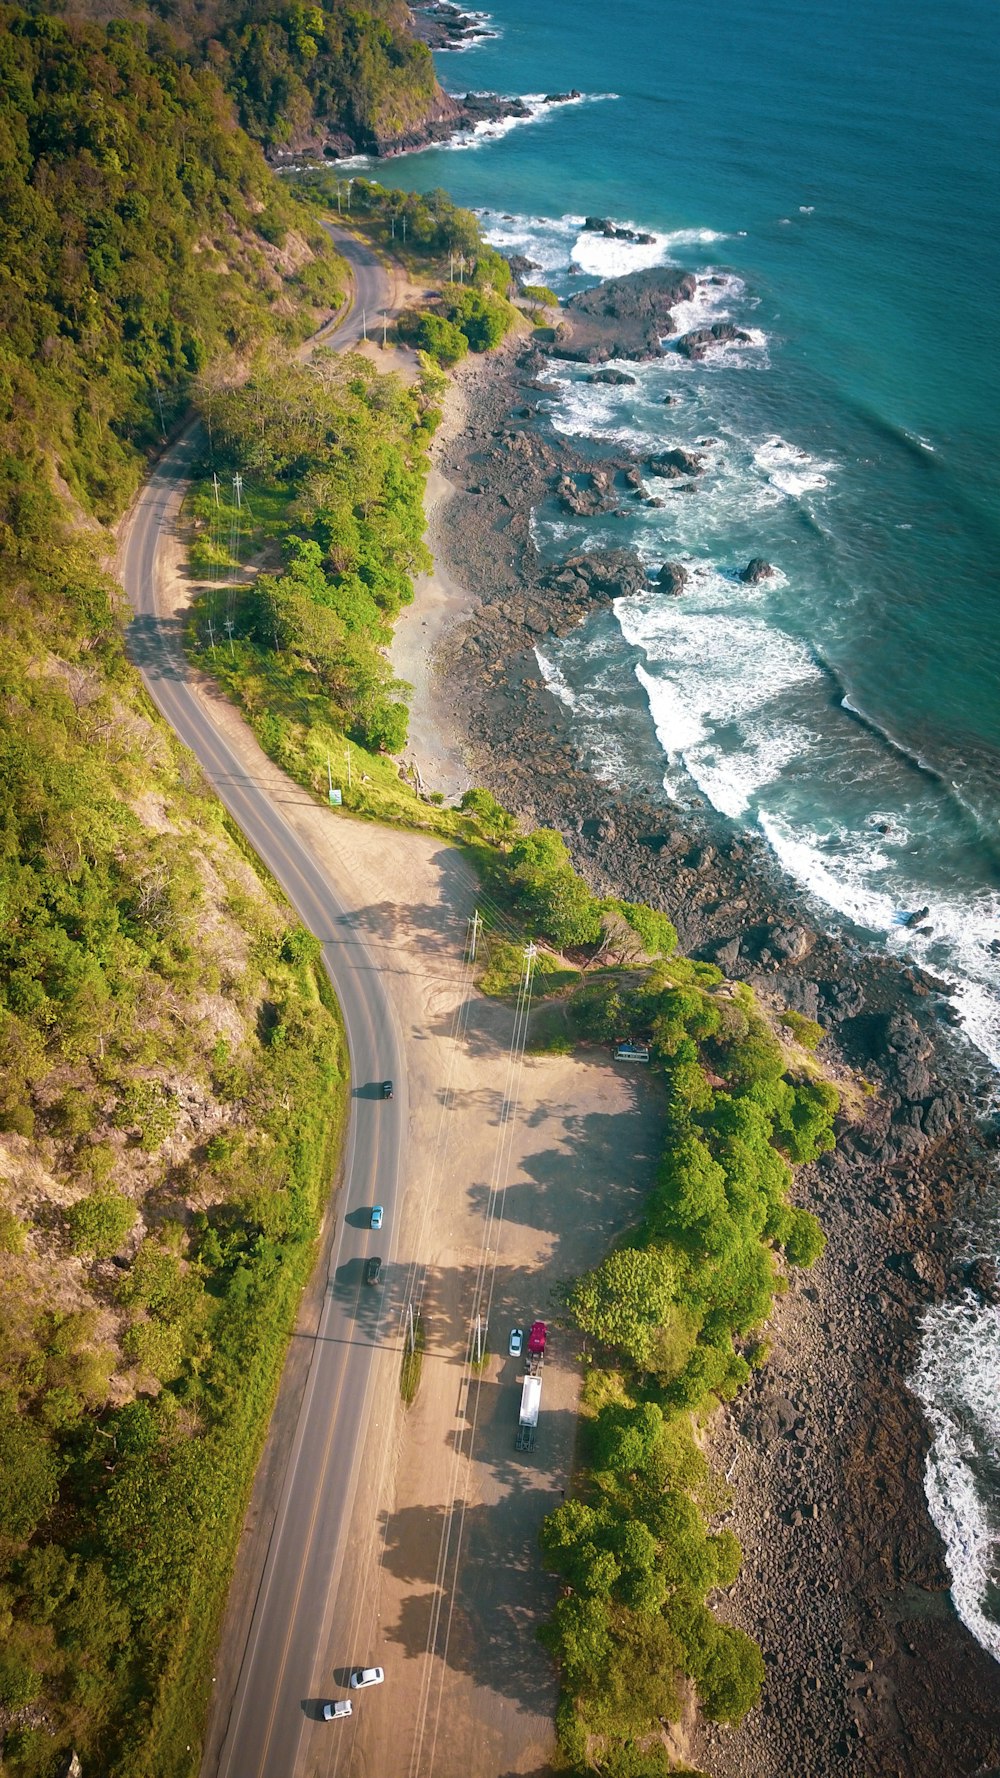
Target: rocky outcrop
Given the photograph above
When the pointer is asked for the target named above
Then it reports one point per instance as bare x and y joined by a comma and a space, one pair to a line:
675, 462
696, 344
624, 318
602, 225
672, 578
615, 377
755, 571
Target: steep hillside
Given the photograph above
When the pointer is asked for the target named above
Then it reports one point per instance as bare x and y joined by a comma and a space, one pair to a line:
172, 1075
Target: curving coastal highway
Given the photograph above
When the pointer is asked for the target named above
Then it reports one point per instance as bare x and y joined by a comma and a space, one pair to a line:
269, 1723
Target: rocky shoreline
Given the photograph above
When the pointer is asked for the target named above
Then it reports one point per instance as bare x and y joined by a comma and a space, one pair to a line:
844, 1581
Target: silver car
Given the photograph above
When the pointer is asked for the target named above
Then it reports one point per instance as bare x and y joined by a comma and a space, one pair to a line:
363, 1676
339, 1707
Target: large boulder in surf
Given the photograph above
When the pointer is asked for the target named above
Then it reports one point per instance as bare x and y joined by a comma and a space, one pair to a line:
675, 462
755, 571
696, 344
609, 573
624, 317
614, 377
672, 579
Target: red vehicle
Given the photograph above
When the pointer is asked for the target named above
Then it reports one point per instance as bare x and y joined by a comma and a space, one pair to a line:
536, 1339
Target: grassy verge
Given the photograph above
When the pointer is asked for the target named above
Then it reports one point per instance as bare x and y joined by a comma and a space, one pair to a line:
413, 1361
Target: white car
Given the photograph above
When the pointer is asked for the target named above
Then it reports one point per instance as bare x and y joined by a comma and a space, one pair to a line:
340, 1707
363, 1676
516, 1342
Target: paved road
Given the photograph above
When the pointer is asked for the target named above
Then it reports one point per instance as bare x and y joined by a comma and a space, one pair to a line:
278, 1690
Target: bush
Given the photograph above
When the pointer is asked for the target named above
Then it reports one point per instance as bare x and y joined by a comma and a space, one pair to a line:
99, 1223
658, 934
805, 1031
440, 339
540, 293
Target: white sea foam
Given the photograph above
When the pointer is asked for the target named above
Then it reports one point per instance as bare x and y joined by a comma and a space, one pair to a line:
601, 725
607, 256
486, 30
708, 672
957, 1380
568, 253
538, 107
556, 681
843, 882
791, 470
851, 872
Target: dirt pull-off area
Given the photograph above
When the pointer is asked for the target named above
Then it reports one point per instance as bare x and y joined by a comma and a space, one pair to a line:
519, 1173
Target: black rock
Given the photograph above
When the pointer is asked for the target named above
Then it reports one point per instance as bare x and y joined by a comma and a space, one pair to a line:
675, 462
673, 578
981, 1275
610, 376
756, 570
722, 333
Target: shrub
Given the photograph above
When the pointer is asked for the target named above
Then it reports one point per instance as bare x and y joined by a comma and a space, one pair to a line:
805, 1031
658, 934
540, 293
99, 1223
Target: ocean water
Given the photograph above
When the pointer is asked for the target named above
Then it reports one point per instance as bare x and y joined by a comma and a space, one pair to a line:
836, 169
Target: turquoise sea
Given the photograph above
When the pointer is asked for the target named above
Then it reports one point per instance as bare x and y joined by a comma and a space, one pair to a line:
838, 169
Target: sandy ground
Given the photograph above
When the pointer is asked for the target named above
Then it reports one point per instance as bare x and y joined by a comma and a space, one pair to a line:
519, 1177
437, 745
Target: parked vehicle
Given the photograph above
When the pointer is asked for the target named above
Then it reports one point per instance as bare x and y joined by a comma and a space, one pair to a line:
387, 1089
531, 1388
334, 1711
377, 1217
631, 1052
527, 1425
363, 1676
516, 1342
373, 1271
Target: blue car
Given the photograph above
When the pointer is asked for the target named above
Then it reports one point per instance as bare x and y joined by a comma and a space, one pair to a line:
377, 1217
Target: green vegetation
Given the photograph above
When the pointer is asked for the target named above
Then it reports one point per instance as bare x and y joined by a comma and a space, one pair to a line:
140, 957
671, 1312
472, 311
172, 1071
356, 67
140, 234
413, 1363
337, 456
670, 1316
805, 1031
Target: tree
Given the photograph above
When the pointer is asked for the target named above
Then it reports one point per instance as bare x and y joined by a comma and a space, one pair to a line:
30, 1469
625, 1300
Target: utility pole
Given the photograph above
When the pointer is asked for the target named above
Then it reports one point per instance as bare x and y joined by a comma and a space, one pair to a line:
385, 329
530, 953
211, 635
329, 780
404, 227
480, 1333
411, 1337
159, 403
392, 224
477, 925
348, 197
228, 626
339, 210
364, 324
